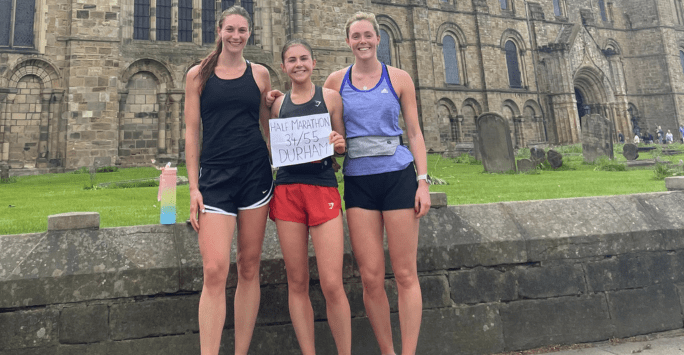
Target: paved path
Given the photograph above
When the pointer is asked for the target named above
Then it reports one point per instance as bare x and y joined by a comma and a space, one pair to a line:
668, 343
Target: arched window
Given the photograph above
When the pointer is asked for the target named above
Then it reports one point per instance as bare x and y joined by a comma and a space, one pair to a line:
602, 8
681, 59
680, 12
557, 8
208, 21
141, 19
384, 49
514, 77
450, 60
163, 20
504, 4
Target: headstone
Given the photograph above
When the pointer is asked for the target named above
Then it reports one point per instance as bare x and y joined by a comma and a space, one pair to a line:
495, 143
630, 151
525, 165
4, 172
537, 155
597, 137
555, 159
476, 147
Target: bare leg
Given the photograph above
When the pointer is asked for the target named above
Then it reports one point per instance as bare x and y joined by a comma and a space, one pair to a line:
365, 231
328, 240
251, 227
294, 240
215, 238
402, 239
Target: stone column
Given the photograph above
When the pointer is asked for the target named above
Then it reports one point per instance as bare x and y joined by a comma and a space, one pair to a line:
41, 161
519, 136
459, 123
163, 108
174, 147
6, 124
540, 128
54, 123
123, 97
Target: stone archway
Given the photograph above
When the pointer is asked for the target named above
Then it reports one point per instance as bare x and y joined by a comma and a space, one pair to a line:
593, 94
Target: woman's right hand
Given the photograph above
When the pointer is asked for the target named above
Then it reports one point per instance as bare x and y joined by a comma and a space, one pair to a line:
196, 206
272, 96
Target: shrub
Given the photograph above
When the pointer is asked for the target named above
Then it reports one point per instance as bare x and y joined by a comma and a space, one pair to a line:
107, 169
466, 158
605, 164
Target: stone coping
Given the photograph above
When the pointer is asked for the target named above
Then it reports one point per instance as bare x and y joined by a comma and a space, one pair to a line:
63, 266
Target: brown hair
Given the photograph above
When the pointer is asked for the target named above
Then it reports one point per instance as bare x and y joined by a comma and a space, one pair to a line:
294, 42
208, 65
359, 16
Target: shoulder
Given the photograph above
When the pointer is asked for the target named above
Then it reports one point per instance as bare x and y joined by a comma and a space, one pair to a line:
193, 72
335, 79
330, 94
399, 76
259, 70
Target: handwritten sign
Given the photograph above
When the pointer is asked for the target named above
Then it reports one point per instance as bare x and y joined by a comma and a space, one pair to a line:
298, 140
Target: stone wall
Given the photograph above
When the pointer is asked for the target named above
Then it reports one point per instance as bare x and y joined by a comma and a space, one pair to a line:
496, 277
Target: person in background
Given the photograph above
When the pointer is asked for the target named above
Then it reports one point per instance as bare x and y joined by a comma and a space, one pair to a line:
668, 137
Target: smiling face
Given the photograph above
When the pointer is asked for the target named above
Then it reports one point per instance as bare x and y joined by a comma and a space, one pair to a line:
363, 40
234, 33
298, 63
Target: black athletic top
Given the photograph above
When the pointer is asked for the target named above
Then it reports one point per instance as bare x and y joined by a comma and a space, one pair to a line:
230, 120
319, 173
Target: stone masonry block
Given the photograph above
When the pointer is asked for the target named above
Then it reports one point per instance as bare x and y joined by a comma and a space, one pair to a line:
435, 291
25, 329
438, 199
274, 306
647, 310
482, 285
172, 345
674, 183
566, 320
53, 350
84, 324
135, 320
550, 281
472, 330
73, 220
632, 271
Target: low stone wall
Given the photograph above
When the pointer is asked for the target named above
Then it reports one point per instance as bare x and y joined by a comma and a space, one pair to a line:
495, 277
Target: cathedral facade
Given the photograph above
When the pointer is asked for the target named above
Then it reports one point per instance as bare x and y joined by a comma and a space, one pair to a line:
101, 82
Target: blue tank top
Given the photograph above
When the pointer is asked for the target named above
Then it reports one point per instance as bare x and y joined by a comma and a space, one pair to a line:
230, 121
373, 112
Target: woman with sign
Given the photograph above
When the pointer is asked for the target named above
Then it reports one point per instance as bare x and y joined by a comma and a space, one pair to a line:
381, 187
235, 183
306, 200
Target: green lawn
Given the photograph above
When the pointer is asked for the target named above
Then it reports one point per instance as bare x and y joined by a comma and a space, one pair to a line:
33, 198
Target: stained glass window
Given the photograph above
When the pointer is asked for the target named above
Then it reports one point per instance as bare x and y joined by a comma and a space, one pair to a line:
225, 4
249, 6
384, 50
208, 21
185, 21
141, 19
681, 59
23, 23
5, 22
557, 8
163, 20
450, 60
504, 4
514, 76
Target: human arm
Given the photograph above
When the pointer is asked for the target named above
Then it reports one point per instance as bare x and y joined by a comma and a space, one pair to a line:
192, 126
333, 101
272, 96
263, 80
406, 91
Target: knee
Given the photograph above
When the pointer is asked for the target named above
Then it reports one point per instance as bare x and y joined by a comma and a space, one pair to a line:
373, 281
248, 267
298, 284
333, 289
215, 275
406, 277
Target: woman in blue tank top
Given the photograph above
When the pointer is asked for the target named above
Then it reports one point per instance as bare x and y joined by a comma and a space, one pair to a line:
380, 180
227, 94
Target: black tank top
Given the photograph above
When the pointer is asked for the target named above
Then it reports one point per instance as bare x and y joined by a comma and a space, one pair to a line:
230, 120
319, 173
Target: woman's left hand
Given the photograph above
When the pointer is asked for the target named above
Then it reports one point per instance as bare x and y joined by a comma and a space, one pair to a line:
423, 201
338, 141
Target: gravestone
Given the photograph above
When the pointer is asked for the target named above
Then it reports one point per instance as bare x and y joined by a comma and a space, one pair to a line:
597, 137
496, 147
525, 165
630, 151
537, 155
4, 172
555, 159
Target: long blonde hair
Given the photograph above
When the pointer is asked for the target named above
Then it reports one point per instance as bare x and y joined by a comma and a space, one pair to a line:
208, 64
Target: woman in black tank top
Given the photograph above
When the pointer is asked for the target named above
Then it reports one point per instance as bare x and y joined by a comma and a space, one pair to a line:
307, 200
232, 137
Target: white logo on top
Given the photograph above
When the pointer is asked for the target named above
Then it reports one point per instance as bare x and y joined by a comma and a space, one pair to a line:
384, 91
318, 103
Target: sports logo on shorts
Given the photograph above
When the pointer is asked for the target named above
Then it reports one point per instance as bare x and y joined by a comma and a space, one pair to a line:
331, 204
265, 191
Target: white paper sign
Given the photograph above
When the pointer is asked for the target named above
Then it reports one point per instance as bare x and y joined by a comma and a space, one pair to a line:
298, 140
